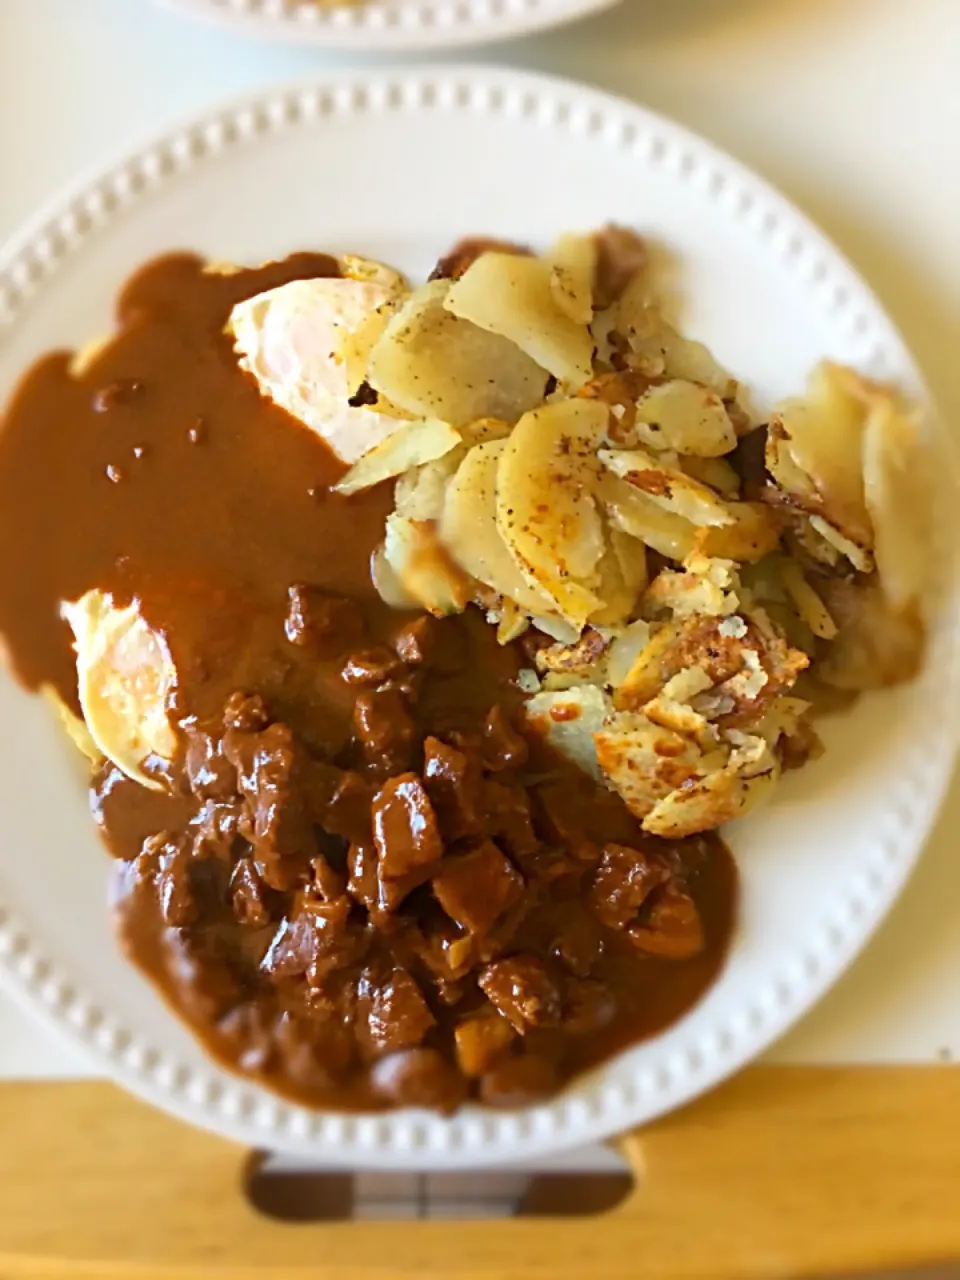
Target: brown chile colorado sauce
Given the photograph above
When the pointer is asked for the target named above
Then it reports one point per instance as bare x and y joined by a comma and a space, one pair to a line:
359, 856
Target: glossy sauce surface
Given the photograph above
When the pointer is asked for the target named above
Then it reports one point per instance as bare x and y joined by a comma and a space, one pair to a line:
362, 885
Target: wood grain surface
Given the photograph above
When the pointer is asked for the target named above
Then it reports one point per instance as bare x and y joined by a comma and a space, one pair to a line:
782, 1172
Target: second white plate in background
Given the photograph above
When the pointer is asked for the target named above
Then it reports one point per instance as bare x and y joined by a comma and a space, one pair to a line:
388, 24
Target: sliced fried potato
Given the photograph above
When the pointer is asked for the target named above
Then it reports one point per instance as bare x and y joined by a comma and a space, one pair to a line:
715, 472
649, 671
555, 628
894, 499
568, 720
512, 297
424, 568
822, 434
411, 445
512, 622
717, 797
469, 531
124, 677
623, 577
583, 659
421, 492
643, 761
855, 550
639, 516
686, 417
386, 582
624, 651
671, 708
485, 429
660, 349
754, 533
808, 604
622, 256
703, 587
436, 365
668, 487
546, 510
573, 267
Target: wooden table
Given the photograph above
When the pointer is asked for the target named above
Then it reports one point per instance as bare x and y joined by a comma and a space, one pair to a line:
785, 1171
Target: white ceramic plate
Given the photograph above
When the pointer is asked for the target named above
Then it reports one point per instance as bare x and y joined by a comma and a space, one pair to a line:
389, 24
342, 165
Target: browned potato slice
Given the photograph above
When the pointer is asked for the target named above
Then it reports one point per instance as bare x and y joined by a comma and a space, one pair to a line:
435, 365
623, 576
546, 509
754, 533
644, 761
568, 720
512, 296
716, 472
820, 436
424, 568
421, 492
686, 417
660, 348
718, 797
638, 515
807, 603
573, 266
411, 445
668, 487
468, 529
894, 499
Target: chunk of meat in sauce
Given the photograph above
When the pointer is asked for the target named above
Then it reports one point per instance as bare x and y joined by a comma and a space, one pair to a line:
248, 894
419, 1078
428, 642
480, 1040
588, 1006
270, 774
312, 942
392, 1013
520, 1081
373, 666
476, 887
326, 623
316, 1053
523, 989
178, 902
210, 775
205, 984
405, 827
503, 747
385, 729
509, 817
671, 928
454, 782
623, 881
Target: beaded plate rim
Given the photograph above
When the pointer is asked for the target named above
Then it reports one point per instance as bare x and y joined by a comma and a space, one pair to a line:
388, 24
